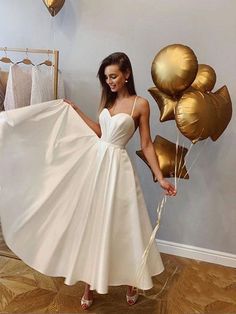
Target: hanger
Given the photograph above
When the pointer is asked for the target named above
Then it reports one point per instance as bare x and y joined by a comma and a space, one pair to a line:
26, 60
46, 62
6, 59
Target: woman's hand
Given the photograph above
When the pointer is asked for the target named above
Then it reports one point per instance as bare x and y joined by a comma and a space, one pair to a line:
166, 185
92, 124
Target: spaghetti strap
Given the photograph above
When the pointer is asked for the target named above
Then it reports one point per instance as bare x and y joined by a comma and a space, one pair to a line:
133, 106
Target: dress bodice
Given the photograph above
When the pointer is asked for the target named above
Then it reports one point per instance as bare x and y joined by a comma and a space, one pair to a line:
116, 129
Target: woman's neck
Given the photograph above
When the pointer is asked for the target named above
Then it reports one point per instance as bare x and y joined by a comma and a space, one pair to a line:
123, 93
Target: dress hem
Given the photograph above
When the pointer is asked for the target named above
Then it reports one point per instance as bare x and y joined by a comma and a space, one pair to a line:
114, 284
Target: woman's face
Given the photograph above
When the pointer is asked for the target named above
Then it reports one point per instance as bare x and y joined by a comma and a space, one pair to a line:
115, 78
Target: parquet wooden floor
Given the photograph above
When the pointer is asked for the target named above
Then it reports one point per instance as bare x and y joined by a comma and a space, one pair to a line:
185, 287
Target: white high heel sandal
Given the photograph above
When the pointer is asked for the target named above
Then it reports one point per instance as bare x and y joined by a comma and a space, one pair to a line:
85, 304
131, 300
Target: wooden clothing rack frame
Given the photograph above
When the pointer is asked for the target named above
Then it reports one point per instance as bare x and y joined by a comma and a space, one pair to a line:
55, 54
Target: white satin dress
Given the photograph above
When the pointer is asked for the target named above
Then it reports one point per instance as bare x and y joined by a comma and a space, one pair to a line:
71, 203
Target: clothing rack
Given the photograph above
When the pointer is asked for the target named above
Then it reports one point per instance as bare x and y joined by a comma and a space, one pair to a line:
55, 54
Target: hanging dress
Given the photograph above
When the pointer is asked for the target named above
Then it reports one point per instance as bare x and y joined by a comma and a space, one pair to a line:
18, 89
43, 84
71, 202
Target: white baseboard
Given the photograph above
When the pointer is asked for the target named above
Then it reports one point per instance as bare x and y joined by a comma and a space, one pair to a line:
197, 253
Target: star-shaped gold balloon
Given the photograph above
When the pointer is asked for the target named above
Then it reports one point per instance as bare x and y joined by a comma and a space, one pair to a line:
223, 105
165, 103
171, 160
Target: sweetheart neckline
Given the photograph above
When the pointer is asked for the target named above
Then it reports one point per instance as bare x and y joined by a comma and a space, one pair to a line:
112, 116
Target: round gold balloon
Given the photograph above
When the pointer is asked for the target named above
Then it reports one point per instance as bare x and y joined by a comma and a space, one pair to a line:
205, 79
174, 69
165, 103
167, 158
195, 116
223, 105
54, 6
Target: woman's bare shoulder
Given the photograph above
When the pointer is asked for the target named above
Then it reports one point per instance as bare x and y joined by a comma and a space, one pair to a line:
143, 105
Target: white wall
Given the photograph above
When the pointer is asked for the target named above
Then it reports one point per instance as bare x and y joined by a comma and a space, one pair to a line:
85, 31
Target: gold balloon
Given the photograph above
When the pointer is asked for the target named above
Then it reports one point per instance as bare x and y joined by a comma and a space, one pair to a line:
195, 116
167, 157
205, 79
174, 68
165, 103
223, 105
54, 6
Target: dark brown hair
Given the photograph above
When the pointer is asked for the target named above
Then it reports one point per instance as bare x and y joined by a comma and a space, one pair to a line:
121, 59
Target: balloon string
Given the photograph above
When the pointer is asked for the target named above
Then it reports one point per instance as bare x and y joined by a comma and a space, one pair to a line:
181, 158
53, 41
184, 164
53, 32
52, 27
194, 161
160, 208
140, 271
178, 165
189, 150
174, 272
176, 154
154, 296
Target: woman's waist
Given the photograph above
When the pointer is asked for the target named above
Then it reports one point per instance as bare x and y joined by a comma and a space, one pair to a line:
112, 143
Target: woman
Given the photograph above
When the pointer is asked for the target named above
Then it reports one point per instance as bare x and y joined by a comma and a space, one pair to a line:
121, 113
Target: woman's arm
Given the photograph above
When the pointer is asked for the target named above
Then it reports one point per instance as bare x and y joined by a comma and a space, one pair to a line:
148, 148
92, 124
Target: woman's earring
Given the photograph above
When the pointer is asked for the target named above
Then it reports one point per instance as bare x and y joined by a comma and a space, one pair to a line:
126, 81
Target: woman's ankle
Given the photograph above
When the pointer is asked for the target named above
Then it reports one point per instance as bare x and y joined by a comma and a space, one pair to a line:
131, 290
88, 294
